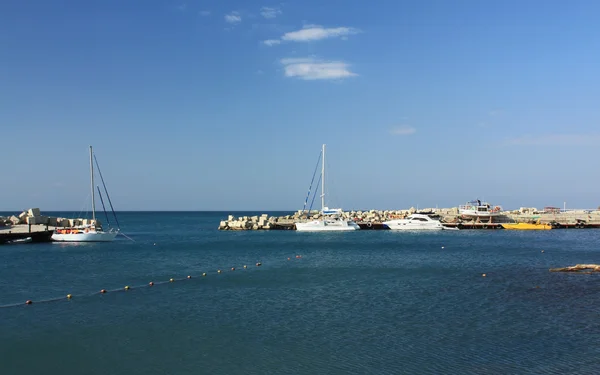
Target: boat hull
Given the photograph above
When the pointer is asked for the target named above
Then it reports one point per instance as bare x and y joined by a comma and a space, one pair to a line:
403, 225
327, 226
85, 237
527, 226
414, 222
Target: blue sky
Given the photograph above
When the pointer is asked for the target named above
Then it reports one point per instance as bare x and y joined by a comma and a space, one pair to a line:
224, 105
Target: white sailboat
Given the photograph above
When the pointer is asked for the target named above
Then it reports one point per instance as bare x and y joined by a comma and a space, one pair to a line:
91, 232
332, 219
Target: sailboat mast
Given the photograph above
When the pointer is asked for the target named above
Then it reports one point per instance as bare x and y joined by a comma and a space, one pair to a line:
323, 180
92, 185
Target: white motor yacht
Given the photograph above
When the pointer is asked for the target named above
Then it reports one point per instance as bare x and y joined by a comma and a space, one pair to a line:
415, 222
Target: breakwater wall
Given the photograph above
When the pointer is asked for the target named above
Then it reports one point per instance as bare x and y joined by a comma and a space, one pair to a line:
451, 216
33, 216
35, 226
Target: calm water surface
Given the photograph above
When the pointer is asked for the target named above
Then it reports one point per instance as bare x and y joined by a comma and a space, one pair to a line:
368, 302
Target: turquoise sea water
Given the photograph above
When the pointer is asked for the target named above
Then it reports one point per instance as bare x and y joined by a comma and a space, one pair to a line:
366, 302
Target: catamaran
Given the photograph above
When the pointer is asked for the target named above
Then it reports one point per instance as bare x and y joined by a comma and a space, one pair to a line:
332, 219
92, 231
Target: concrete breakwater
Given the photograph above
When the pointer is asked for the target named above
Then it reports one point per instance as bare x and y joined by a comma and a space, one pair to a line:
32, 224
33, 216
261, 222
450, 216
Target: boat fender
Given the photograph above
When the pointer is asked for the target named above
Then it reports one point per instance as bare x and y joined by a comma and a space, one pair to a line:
369, 224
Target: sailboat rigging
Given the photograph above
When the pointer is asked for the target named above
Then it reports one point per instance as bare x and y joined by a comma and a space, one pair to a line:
92, 231
331, 217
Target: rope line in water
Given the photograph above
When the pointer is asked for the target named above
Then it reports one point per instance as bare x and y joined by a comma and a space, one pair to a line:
68, 297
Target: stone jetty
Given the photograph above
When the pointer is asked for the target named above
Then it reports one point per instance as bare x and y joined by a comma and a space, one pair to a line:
33, 216
450, 216
32, 224
261, 222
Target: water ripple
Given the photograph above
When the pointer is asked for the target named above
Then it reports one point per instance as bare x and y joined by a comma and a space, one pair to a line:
365, 303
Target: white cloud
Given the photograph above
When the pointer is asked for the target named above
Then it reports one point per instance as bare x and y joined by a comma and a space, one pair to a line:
403, 130
315, 32
205, 13
271, 42
268, 12
555, 139
233, 18
314, 69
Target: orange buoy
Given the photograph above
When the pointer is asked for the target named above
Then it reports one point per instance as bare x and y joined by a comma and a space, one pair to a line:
484, 275
233, 268
151, 283
102, 291
298, 256
28, 302
258, 264
288, 258
189, 277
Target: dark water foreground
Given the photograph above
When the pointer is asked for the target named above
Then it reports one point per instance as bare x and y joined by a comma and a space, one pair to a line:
371, 302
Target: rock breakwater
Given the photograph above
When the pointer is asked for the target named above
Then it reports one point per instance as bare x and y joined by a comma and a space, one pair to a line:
33, 216
445, 215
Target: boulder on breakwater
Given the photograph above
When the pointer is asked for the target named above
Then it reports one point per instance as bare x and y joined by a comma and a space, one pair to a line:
261, 222
33, 216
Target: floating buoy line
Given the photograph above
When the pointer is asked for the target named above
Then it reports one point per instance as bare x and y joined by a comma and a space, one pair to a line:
69, 297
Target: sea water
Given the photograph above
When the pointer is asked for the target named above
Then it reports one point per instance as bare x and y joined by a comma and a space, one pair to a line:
364, 302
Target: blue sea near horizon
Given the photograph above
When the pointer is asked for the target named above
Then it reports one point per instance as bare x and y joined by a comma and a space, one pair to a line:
364, 302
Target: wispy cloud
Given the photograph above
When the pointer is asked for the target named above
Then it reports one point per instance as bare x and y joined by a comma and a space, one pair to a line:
204, 13
315, 32
233, 18
556, 140
271, 42
403, 130
269, 12
315, 69
182, 7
